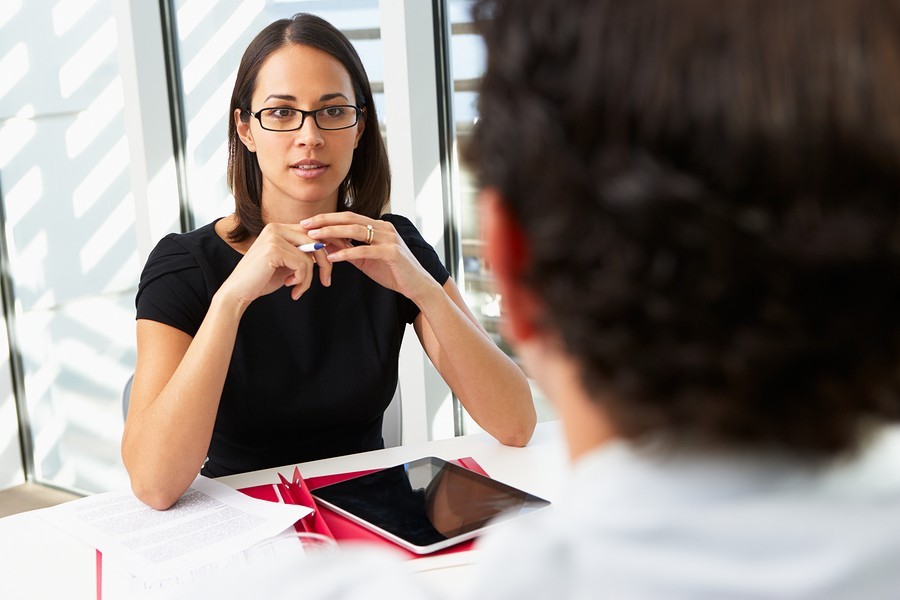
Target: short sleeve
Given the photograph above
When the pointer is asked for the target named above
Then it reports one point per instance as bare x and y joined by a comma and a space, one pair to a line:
172, 289
423, 252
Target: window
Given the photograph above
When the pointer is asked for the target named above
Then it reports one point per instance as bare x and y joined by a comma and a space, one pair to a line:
466, 59
66, 159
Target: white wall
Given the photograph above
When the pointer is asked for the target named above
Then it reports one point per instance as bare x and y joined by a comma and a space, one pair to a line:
75, 159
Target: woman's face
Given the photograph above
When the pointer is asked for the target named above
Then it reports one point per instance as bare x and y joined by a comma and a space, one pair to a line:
301, 169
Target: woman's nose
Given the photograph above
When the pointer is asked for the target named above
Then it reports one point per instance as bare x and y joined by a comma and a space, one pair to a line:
309, 133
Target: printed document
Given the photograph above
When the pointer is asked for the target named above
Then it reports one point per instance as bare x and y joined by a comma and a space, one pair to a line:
210, 522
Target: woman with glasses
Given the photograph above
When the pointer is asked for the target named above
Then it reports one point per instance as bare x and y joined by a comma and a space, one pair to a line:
272, 336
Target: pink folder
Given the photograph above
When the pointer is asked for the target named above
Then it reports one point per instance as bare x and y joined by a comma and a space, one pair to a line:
329, 523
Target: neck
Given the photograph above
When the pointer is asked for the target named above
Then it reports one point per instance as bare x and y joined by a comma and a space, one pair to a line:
294, 211
585, 424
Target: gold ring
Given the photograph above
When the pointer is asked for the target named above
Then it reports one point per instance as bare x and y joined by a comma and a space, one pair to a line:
370, 234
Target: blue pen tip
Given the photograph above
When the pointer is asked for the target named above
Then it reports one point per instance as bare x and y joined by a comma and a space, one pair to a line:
319, 245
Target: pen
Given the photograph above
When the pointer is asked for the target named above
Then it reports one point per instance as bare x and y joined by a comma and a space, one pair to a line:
310, 247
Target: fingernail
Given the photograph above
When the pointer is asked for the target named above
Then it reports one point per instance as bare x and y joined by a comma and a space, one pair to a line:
304, 222
313, 233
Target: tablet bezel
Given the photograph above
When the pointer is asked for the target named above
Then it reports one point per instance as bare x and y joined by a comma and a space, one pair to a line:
530, 501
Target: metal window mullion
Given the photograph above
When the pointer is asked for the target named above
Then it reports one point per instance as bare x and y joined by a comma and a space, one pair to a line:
16, 366
447, 134
169, 26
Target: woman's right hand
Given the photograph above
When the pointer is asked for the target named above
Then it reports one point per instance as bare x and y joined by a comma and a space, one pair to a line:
179, 379
272, 261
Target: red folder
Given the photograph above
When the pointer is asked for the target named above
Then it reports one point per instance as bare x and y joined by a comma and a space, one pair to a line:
328, 522
298, 491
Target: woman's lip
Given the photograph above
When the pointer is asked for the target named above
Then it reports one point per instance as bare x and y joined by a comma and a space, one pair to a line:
309, 169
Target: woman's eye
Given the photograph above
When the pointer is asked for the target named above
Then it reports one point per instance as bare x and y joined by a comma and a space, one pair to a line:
283, 113
334, 112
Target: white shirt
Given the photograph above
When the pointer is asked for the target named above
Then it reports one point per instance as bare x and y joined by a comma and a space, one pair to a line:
634, 526
678, 526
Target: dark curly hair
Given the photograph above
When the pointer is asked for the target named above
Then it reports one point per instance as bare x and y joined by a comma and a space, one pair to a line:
711, 197
367, 187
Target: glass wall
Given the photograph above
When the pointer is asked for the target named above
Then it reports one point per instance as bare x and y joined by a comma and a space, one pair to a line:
69, 230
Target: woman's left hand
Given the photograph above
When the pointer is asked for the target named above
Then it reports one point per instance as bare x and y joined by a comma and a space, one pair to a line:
382, 254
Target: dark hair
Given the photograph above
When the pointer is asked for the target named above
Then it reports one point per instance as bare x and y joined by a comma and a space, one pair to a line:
711, 197
367, 187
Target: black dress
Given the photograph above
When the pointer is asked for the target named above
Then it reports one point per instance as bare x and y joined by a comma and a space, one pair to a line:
308, 379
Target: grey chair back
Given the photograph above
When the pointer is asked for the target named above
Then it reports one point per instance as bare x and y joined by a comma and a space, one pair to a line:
126, 396
392, 424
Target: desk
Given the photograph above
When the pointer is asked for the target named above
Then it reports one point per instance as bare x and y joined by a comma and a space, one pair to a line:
39, 561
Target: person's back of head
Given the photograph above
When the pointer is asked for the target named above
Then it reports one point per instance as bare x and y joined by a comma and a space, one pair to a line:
710, 197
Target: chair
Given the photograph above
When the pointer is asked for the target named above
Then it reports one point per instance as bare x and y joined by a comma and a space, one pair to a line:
126, 396
391, 427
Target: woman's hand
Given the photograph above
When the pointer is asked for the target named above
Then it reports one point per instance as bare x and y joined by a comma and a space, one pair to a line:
273, 261
490, 386
383, 255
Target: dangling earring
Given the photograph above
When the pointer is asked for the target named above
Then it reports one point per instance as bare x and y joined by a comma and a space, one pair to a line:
345, 197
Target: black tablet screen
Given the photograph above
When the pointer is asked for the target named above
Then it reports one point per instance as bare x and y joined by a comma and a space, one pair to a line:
428, 500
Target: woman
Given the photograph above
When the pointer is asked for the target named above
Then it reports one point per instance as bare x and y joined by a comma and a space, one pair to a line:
253, 353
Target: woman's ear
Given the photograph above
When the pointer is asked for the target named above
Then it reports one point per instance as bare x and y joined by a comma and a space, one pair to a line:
243, 131
507, 257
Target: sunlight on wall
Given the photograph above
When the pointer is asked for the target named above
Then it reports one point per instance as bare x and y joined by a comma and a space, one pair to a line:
87, 59
207, 123
100, 178
10, 9
23, 196
200, 64
13, 65
14, 135
69, 223
107, 234
32, 261
96, 117
212, 115
191, 14
67, 14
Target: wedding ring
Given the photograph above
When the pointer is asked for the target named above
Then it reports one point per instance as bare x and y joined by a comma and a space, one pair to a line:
370, 234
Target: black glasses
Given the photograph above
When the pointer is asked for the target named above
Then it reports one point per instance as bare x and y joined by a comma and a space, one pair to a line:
292, 119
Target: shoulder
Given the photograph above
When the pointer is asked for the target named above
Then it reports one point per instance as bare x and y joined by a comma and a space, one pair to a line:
178, 251
422, 250
406, 229
181, 254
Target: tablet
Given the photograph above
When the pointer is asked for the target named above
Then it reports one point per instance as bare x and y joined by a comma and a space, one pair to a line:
427, 504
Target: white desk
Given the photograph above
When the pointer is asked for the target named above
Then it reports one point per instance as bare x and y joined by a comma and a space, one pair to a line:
39, 561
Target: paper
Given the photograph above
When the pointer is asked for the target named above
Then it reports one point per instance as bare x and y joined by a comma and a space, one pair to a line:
209, 522
281, 554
